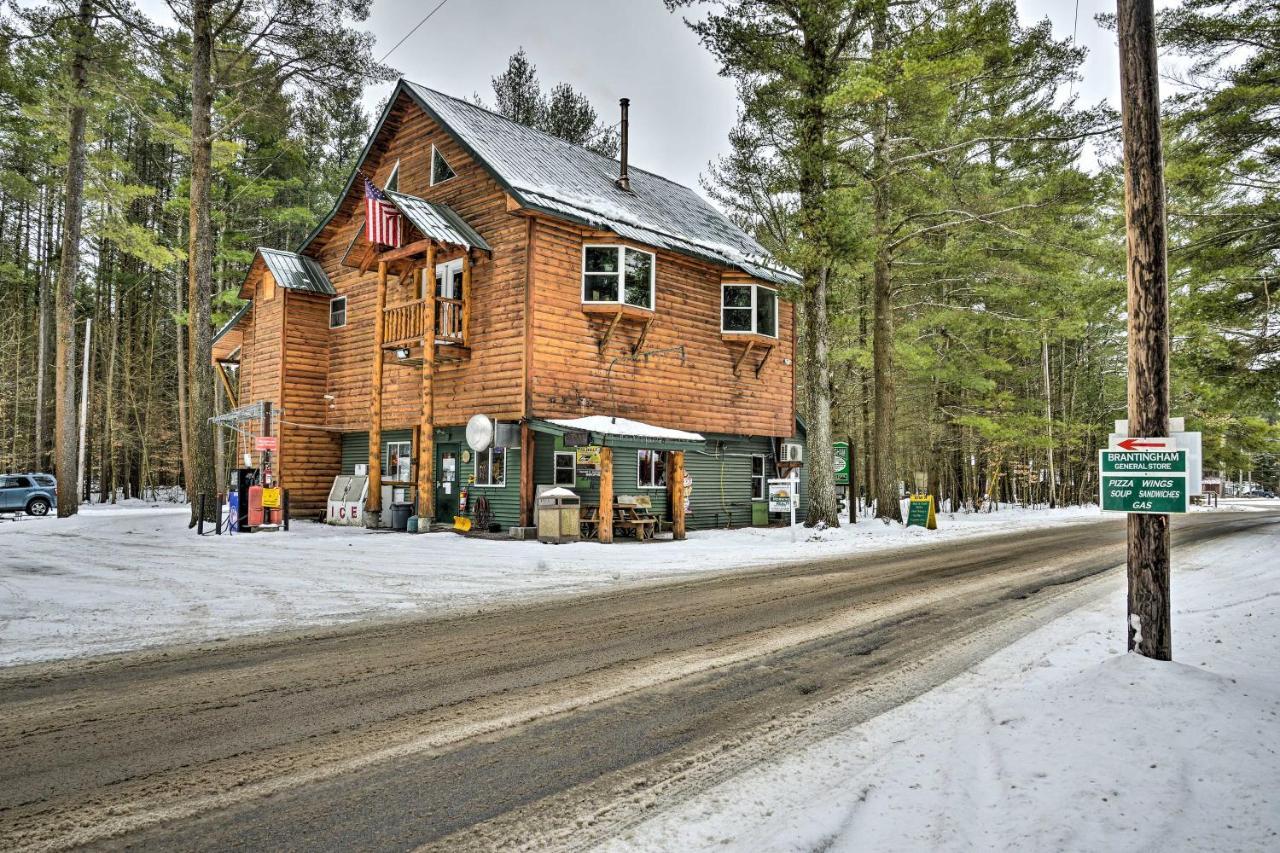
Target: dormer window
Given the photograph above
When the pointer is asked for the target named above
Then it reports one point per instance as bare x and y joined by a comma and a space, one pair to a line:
618, 275
749, 309
441, 171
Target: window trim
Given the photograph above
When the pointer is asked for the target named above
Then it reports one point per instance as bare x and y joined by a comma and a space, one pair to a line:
753, 308
656, 455
573, 468
475, 468
332, 302
620, 276
762, 477
431, 169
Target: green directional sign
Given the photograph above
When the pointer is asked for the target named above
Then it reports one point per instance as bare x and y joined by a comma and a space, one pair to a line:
1143, 482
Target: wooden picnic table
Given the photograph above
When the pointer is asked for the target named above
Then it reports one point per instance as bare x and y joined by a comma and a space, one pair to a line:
627, 520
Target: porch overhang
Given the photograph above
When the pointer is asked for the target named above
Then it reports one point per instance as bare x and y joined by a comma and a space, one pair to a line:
607, 431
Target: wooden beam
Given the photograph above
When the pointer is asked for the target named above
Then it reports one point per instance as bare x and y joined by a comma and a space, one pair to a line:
466, 299
367, 260
644, 333
226, 384
606, 495
675, 476
763, 359
426, 415
613, 327
373, 504
526, 475
406, 251
745, 352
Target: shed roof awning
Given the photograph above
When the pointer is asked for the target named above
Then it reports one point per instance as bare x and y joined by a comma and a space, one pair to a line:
231, 324
622, 432
297, 272
440, 222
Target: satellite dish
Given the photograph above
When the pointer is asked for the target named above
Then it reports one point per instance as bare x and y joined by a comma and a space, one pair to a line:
479, 432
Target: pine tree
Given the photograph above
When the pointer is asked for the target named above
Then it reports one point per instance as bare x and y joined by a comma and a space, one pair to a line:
564, 112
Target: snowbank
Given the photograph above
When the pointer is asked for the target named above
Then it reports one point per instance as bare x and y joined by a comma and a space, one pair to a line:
1059, 742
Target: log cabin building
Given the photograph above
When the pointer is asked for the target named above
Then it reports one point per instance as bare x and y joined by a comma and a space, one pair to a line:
572, 299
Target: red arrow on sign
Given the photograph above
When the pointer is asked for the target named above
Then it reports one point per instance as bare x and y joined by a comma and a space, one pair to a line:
1135, 443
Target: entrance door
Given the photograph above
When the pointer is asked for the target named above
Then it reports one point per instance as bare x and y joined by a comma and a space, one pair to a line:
447, 481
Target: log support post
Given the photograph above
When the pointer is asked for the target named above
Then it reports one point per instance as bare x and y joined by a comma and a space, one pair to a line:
526, 475
466, 299
426, 417
675, 476
606, 495
373, 503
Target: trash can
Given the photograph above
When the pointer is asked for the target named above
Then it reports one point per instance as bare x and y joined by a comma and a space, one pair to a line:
559, 512
400, 515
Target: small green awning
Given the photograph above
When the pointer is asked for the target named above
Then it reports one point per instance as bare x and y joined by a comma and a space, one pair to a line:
609, 431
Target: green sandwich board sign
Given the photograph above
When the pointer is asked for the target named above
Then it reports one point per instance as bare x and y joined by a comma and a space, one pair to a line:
842, 462
1153, 481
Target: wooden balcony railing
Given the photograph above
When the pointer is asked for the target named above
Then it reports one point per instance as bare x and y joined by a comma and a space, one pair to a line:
404, 324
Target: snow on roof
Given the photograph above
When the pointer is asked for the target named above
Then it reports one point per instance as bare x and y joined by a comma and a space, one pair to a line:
558, 492
549, 173
624, 427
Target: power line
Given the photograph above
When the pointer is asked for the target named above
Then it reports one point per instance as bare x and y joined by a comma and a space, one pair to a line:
412, 31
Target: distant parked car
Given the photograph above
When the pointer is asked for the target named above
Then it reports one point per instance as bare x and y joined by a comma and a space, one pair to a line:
34, 494
1261, 493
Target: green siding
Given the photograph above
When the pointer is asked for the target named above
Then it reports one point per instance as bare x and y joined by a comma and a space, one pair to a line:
355, 447
504, 501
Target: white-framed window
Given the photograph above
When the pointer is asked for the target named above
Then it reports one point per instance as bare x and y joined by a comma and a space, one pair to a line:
399, 461
749, 308
759, 479
393, 180
619, 275
337, 312
491, 467
441, 171
566, 468
651, 469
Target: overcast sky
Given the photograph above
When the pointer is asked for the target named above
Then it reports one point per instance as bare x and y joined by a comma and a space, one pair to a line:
681, 109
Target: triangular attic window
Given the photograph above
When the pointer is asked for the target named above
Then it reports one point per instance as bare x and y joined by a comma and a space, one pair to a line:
441, 171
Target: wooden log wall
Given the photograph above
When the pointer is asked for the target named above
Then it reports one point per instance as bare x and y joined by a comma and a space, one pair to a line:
570, 377
490, 380
310, 453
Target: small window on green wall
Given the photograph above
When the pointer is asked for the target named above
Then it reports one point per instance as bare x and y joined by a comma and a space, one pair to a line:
566, 468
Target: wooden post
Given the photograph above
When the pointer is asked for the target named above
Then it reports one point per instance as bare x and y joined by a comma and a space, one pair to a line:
526, 475
606, 495
466, 299
373, 503
1148, 310
675, 476
426, 422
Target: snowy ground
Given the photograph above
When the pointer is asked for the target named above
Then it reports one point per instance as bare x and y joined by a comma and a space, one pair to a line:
1060, 742
133, 576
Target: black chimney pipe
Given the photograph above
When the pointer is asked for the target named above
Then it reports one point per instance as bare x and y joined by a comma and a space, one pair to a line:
624, 180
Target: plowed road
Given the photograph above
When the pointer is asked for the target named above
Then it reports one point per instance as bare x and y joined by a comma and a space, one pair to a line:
545, 725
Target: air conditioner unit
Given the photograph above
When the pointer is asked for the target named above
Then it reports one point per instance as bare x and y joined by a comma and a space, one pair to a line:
792, 452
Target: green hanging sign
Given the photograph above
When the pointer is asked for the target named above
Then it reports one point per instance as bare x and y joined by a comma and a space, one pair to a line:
842, 462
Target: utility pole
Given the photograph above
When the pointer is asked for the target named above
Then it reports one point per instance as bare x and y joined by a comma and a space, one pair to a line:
1148, 312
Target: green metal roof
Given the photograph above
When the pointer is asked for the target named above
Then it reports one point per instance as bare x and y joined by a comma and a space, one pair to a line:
438, 221
231, 324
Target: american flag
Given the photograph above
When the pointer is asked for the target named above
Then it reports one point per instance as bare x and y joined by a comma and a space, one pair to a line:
381, 219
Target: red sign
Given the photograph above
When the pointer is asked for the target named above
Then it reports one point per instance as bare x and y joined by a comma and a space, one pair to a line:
266, 442
1152, 443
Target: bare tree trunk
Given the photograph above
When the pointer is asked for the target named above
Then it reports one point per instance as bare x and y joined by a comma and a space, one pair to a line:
200, 377
887, 505
183, 439
65, 299
1149, 628
823, 507
1048, 419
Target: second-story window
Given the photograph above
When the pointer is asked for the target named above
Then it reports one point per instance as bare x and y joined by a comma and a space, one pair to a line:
749, 308
617, 274
337, 312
